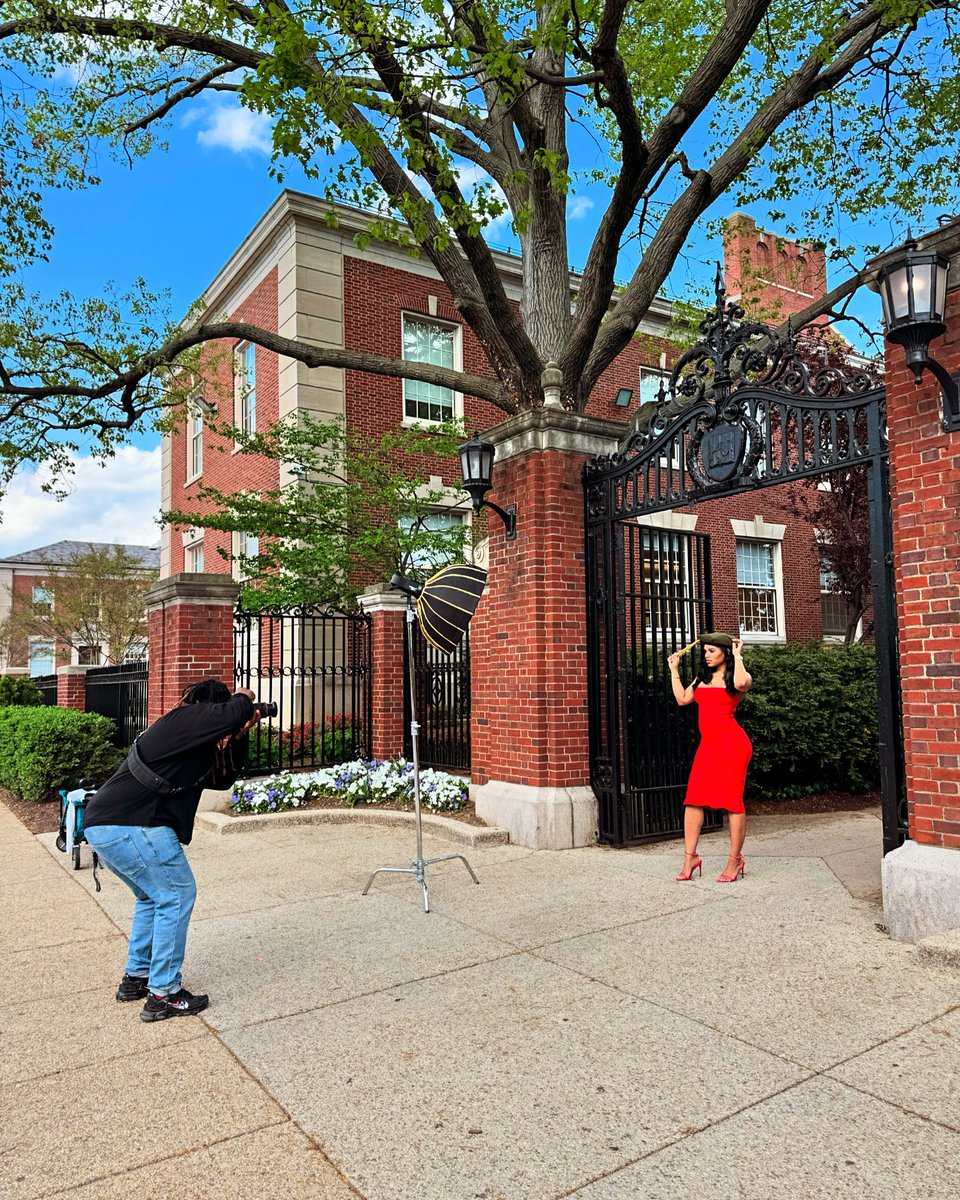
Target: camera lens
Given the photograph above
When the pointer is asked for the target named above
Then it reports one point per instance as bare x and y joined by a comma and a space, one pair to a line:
266, 708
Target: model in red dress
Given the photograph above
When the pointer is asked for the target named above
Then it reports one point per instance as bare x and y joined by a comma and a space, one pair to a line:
720, 766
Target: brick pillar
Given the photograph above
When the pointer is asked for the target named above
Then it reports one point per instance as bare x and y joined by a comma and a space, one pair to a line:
528, 662
190, 629
386, 608
72, 687
921, 880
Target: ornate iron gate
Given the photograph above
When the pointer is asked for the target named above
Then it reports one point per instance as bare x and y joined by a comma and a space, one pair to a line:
443, 703
743, 411
315, 666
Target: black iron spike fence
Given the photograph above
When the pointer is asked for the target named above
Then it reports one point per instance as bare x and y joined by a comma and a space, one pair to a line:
443, 704
120, 693
48, 687
316, 666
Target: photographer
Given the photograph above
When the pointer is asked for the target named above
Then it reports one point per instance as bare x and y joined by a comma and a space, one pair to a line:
142, 816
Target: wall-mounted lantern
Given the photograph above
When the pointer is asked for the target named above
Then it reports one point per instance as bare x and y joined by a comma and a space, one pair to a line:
476, 467
913, 291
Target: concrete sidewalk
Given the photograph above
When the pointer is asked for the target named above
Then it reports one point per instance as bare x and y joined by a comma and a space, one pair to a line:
578, 1025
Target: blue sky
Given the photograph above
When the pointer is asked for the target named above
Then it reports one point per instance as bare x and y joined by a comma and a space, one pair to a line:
175, 218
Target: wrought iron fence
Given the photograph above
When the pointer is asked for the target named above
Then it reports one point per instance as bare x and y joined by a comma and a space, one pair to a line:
316, 666
120, 693
48, 687
443, 704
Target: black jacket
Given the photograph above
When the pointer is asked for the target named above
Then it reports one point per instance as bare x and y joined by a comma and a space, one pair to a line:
181, 747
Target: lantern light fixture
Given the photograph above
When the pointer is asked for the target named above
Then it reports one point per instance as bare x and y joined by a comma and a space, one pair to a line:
913, 291
476, 468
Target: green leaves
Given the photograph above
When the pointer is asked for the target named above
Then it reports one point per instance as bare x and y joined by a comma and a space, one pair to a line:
352, 508
812, 717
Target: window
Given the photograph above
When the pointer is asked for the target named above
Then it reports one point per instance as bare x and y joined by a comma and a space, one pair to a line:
42, 599
427, 561
759, 589
246, 388
88, 656
193, 557
41, 657
650, 381
429, 342
244, 546
194, 443
833, 606
136, 652
665, 592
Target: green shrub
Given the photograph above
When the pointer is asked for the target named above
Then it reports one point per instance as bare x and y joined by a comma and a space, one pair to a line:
18, 689
812, 718
44, 749
334, 742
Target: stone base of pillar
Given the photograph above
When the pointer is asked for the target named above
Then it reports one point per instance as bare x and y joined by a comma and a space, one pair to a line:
541, 818
215, 800
921, 891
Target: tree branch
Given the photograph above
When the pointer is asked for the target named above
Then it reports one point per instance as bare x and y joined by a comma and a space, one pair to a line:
821, 71
185, 93
126, 382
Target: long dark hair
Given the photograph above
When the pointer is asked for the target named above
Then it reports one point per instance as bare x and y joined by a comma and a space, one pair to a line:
206, 691
705, 673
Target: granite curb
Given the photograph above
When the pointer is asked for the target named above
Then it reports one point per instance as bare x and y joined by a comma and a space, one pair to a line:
941, 949
445, 828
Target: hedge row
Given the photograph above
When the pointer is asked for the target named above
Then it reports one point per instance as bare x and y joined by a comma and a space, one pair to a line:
19, 689
812, 718
44, 749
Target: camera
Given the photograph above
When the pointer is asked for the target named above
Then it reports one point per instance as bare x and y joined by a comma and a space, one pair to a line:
266, 708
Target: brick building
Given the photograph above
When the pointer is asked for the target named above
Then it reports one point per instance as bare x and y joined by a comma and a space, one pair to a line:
296, 276
28, 577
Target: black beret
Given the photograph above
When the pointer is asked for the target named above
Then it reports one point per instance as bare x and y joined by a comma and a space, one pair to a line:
716, 639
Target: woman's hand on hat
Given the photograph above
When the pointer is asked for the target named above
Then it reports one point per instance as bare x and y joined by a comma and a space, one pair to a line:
673, 661
737, 647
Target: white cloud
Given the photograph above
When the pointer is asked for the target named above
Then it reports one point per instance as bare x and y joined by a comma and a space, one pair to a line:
578, 207
117, 501
235, 128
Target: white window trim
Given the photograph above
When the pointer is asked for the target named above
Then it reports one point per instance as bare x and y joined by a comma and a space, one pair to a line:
759, 530
408, 314
239, 380
194, 412
31, 643
104, 653
237, 547
452, 502
191, 538
661, 373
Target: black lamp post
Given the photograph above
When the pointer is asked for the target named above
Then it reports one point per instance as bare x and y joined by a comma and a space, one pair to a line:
913, 292
476, 467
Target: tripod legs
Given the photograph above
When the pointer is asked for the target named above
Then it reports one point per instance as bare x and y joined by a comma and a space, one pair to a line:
418, 870
418, 867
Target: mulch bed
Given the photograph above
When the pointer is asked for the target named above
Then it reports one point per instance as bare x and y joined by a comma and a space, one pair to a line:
45, 817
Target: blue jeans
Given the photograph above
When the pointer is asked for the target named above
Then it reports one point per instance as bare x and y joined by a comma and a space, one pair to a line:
152, 864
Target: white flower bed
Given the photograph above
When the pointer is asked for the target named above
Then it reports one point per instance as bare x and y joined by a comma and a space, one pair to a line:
359, 782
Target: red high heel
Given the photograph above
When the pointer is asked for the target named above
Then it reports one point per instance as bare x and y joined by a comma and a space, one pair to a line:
738, 872
696, 865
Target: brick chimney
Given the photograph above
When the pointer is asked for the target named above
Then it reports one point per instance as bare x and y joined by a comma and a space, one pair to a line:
771, 276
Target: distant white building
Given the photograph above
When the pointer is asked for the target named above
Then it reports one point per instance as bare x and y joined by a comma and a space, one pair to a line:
27, 575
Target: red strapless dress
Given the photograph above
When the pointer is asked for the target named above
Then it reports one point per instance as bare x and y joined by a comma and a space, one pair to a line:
719, 768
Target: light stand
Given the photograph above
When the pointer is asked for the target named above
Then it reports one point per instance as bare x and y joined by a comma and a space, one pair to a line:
419, 865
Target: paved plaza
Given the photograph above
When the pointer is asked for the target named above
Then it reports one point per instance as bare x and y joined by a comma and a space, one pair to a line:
577, 1025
